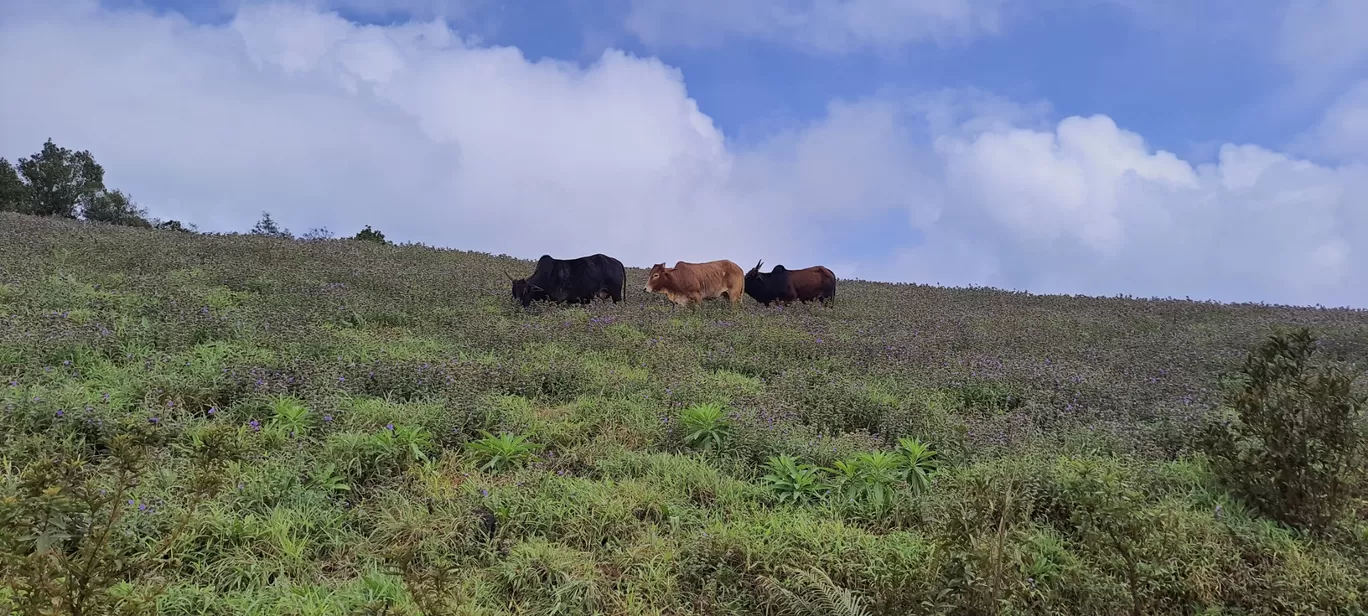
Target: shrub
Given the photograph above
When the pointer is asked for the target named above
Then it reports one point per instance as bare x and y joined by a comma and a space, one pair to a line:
370, 235
1293, 450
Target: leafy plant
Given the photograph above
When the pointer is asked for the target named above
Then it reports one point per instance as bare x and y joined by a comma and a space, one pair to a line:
919, 462
1294, 450
1107, 513
290, 415
705, 425
328, 479
868, 478
502, 451
793, 482
817, 595
406, 442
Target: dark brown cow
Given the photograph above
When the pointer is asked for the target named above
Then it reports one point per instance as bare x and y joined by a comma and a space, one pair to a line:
784, 285
688, 283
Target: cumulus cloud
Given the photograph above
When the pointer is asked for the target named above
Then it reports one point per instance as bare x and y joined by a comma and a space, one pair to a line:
823, 26
1089, 206
433, 137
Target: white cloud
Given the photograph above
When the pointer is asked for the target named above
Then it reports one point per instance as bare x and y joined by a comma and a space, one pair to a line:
432, 137
824, 26
1342, 133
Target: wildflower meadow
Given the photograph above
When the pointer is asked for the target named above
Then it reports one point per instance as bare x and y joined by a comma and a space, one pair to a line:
201, 423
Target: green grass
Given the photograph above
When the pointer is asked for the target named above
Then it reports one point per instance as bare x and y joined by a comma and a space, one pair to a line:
344, 427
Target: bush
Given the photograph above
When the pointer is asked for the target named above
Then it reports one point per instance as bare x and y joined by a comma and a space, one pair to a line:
1293, 452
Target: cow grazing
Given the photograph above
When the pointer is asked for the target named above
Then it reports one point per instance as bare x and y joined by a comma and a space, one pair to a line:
784, 285
689, 283
575, 281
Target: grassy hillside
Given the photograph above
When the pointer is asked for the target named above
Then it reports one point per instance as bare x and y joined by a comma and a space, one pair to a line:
278, 427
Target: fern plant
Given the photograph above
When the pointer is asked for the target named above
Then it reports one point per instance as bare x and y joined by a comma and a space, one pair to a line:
817, 595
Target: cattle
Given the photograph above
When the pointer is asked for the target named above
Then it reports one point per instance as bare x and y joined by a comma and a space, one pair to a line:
575, 281
784, 285
688, 283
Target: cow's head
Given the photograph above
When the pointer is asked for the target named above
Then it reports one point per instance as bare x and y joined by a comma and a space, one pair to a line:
656, 278
757, 282
524, 291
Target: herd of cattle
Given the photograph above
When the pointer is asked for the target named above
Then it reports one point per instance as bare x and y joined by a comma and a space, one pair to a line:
577, 281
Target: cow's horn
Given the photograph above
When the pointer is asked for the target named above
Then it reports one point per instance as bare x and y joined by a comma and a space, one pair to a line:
510, 276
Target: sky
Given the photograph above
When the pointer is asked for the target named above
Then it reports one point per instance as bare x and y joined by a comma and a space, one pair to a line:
1213, 150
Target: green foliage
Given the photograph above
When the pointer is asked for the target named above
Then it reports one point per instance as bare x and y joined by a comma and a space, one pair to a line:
705, 425
115, 207
60, 181
290, 415
267, 226
817, 595
317, 234
174, 225
919, 463
913, 450
1296, 449
65, 544
57, 181
868, 478
502, 451
794, 482
13, 191
370, 235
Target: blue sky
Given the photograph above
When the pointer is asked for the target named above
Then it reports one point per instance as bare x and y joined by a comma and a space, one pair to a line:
1213, 150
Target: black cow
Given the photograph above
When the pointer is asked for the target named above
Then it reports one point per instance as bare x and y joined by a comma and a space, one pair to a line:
575, 281
784, 285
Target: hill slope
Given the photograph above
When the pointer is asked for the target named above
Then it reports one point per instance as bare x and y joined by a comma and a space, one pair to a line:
305, 415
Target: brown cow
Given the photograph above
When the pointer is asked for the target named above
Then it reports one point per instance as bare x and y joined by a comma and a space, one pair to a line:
784, 285
688, 283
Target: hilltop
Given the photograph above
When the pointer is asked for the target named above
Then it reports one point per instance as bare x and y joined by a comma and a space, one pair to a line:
306, 418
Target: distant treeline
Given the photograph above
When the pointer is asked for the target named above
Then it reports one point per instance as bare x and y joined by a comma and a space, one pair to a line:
65, 183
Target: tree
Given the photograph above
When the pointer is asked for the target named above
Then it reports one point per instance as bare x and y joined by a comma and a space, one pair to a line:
268, 226
174, 225
370, 235
115, 207
317, 234
61, 182
13, 191
1293, 451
